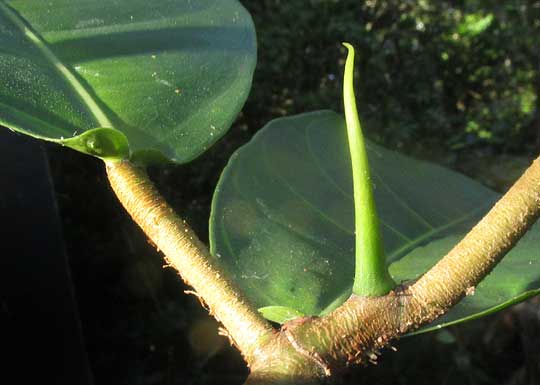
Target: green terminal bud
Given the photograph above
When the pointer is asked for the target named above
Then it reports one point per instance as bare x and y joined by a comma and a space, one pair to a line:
371, 277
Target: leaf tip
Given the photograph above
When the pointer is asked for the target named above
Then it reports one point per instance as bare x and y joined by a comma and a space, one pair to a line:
102, 142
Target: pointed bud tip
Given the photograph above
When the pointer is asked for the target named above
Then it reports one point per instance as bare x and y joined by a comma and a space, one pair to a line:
348, 46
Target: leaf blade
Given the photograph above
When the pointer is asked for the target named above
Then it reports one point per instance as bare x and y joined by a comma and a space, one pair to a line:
282, 219
170, 75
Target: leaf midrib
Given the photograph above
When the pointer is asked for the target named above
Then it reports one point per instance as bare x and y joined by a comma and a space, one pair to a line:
65, 73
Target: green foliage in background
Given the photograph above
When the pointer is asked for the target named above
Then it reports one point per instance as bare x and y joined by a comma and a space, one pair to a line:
458, 74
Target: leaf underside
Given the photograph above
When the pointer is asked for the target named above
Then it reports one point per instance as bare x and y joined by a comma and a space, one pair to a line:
282, 221
164, 78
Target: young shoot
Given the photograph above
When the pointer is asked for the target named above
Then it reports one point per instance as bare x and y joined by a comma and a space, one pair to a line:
371, 276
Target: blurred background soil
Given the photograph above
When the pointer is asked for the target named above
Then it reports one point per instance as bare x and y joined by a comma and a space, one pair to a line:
454, 82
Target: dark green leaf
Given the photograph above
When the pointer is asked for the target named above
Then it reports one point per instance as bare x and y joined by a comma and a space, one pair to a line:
282, 217
165, 77
512, 281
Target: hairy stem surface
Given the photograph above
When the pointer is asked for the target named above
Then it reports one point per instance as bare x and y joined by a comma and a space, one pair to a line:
189, 256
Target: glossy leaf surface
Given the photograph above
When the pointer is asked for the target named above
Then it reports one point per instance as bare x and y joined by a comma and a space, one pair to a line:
282, 219
168, 76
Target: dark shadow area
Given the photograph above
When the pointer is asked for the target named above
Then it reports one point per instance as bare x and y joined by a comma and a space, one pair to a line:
39, 321
139, 42
534, 285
